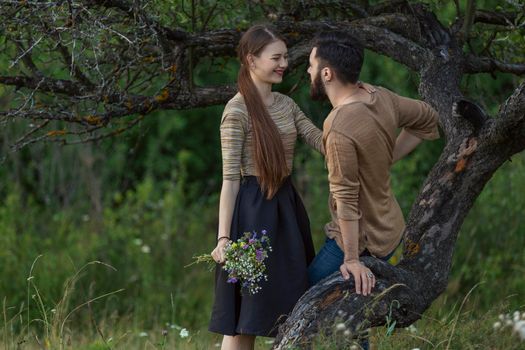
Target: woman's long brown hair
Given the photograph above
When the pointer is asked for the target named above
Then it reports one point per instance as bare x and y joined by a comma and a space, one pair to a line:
268, 149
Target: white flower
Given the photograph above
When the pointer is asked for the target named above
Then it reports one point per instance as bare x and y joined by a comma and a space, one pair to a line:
184, 333
346, 332
523, 316
496, 325
501, 317
143, 334
340, 327
521, 333
415, 349
217, 345
412, 329
145, 249
137, 241
353, 347
516, 316
269, 342
508, 322
519, 327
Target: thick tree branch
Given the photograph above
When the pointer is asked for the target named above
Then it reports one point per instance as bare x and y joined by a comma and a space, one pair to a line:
497, 18
45, 84
334, 299
40, 114
510, 124
375, 38
468, 20
476, 64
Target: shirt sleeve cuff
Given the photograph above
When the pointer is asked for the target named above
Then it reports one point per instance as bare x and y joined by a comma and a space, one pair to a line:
424, 135
347, 211
231, 177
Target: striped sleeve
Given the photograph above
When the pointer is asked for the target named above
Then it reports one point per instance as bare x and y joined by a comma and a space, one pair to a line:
310, 133
343, 175
232, 140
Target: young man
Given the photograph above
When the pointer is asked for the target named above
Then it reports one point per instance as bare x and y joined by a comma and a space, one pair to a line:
361, 144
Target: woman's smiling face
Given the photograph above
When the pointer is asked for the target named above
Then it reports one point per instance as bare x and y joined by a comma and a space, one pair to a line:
270, 64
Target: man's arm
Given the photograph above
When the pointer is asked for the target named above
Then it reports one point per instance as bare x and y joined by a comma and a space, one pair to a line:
344, 185
405, 143
363, 277
416, 117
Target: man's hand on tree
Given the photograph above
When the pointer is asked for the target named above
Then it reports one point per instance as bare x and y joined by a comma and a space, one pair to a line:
364, 278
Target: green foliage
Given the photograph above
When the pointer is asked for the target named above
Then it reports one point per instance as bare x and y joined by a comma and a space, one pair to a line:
147, 237
150, 233
493, 236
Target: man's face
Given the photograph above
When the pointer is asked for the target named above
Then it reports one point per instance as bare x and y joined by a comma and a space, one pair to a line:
317, 89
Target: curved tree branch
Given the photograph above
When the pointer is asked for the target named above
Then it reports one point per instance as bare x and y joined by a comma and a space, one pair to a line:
476, 64
45, 84
497, 18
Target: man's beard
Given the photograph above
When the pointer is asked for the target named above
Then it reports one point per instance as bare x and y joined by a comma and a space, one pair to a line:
317, 90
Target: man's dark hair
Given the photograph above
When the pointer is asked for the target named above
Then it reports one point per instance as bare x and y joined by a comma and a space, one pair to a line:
342, 53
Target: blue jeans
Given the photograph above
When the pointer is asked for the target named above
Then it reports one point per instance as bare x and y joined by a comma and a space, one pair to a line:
328, 261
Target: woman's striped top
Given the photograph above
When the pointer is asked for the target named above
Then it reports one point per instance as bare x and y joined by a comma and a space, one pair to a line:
236, 134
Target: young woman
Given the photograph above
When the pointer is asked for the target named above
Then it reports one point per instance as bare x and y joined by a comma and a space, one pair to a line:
259, 129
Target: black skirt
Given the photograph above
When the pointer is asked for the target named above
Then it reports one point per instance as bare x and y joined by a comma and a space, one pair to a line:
286, 222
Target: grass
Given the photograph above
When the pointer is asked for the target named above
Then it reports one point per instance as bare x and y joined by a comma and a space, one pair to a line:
446, 325
69, 299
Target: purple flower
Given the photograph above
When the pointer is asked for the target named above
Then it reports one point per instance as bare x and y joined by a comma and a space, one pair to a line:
259, 255
263, 232
232, 280
252, 241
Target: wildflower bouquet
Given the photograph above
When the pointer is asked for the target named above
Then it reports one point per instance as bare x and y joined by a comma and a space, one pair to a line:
244, 260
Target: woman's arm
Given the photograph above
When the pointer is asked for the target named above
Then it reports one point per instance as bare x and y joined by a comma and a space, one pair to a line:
232, 139
310, 133
229, 191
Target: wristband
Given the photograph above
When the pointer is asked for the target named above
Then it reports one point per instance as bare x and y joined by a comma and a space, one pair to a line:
221, 237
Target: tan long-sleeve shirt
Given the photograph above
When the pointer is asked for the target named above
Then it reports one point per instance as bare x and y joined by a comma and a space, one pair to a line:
237, 136
359, 140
